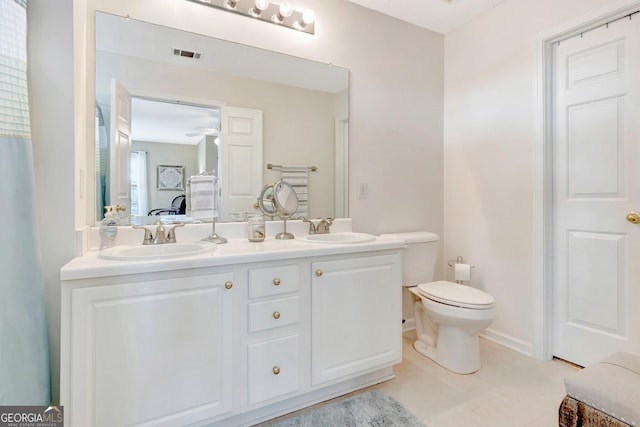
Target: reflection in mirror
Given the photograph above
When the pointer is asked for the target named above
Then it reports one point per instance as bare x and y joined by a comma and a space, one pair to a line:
285, 199
170, 97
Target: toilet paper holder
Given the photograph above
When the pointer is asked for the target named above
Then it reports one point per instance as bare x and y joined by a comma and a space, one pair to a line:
459, 260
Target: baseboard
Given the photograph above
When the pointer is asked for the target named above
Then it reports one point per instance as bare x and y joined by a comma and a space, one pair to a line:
508, 341
504, 340
408, 325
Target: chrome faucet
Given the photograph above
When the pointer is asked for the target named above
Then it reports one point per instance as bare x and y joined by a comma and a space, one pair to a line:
161, 236
312, 226
323, 227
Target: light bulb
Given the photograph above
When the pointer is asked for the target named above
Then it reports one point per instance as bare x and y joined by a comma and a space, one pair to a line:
308, 17
286, 9
231, 4
259, 7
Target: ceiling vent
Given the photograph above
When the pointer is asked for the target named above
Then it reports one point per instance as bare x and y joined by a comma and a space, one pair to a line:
186, 54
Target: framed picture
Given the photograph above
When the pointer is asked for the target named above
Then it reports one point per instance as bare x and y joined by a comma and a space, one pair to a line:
170, 177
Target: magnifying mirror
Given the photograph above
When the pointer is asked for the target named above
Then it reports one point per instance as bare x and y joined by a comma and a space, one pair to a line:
279, 199
285, 199
265, 201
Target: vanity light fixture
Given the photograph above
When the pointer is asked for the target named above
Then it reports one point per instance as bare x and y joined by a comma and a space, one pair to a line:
282, 14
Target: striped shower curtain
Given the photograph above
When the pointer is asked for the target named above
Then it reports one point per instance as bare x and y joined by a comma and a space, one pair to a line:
24, 354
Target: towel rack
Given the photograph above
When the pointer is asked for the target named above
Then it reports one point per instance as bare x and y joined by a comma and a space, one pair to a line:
309, 168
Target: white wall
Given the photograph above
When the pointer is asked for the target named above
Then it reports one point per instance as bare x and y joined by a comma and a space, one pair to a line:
396, 110
489, 147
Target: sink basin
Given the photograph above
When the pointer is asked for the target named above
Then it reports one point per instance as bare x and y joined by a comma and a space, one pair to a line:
153, 252
339, 238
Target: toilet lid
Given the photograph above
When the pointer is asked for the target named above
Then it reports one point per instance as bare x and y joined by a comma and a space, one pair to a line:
455, 294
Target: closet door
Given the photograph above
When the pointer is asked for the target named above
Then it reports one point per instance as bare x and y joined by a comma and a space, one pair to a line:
596, 292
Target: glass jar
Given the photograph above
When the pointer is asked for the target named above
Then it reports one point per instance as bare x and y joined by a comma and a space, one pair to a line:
255, 228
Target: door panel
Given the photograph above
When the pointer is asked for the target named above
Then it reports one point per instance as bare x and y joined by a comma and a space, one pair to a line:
594, 143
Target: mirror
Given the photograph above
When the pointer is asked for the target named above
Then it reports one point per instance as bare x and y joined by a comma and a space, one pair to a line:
299, 107
265, 201
285, 199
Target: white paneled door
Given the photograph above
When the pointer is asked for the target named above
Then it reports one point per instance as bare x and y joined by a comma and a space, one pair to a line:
240, 165
120, 147
596, 184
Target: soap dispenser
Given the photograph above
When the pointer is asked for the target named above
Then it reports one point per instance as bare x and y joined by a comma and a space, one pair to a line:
108, 228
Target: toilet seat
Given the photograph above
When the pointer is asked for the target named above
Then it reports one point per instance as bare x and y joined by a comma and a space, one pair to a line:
456, 295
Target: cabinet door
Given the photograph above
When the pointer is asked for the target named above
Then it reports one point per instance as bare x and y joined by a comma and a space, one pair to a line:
356, 309
153, 353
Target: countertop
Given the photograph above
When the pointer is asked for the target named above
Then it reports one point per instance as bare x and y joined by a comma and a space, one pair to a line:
236, 251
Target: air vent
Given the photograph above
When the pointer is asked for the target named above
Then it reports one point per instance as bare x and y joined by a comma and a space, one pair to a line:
186, 53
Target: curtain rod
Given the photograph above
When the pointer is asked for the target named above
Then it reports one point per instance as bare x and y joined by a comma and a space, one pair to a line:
272, 166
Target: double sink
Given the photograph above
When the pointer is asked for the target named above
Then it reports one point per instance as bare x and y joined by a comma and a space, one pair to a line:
180, 249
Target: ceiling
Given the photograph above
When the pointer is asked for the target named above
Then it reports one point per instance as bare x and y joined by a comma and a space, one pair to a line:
440, 16
172, 123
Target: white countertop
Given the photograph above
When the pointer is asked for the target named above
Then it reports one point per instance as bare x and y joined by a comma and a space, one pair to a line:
236, 251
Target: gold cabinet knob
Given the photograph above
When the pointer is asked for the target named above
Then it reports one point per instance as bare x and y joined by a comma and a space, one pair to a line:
318, 273
633, 217
276, 315
228, 285
276, 370
120, 208
276, 282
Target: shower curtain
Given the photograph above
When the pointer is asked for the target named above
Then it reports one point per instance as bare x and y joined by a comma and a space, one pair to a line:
24, 354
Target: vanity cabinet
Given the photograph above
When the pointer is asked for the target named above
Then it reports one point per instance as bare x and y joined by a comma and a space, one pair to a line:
355, 316
226, 341
157, 351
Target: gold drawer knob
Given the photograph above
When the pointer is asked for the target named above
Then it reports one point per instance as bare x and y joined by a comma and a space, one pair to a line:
228, 285
276, 282
318, 273
276, 315
276, 370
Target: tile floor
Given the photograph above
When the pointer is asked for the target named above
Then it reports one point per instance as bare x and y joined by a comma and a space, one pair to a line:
511, 390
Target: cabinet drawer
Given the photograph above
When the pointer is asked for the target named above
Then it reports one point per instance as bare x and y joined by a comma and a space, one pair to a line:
273, 280
273, 313
274, 368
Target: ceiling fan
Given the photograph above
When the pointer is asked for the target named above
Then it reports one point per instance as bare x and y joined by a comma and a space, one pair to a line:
203, 131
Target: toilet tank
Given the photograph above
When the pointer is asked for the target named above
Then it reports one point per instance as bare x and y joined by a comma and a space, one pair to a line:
419, 260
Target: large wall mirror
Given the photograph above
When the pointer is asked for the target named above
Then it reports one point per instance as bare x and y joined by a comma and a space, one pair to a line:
172, 104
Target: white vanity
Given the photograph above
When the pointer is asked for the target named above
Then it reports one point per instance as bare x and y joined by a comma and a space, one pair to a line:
233, 336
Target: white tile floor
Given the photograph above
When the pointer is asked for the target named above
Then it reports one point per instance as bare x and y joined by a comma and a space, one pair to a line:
510, 390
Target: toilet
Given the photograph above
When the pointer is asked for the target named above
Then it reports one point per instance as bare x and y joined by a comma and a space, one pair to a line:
449, 316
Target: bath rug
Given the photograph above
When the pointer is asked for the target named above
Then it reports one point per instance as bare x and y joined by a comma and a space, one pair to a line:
368, 409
